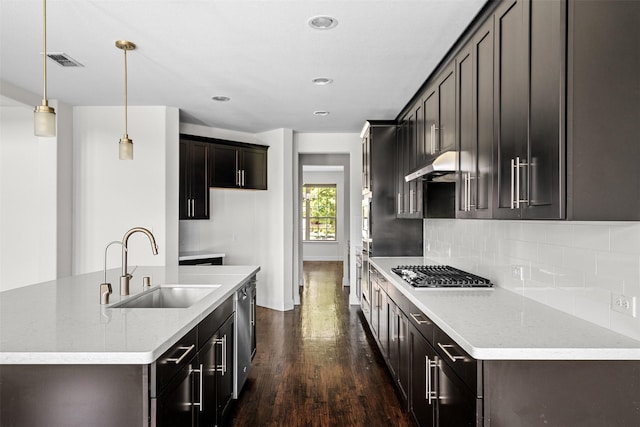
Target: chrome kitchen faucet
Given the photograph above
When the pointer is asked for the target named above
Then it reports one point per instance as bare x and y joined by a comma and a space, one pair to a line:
126, 277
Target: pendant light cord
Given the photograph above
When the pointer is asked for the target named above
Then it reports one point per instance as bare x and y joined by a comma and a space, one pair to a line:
44, 54
126, 134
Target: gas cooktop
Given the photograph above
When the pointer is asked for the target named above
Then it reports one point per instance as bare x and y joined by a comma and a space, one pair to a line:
439, 276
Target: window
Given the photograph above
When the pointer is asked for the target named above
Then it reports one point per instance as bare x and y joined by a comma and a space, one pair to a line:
319, 212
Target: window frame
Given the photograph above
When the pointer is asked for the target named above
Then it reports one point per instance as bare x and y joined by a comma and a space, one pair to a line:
306, 219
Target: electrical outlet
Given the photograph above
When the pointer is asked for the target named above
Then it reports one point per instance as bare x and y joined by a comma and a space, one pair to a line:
624, 304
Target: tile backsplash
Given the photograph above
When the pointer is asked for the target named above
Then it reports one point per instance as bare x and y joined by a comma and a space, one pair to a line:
576, 267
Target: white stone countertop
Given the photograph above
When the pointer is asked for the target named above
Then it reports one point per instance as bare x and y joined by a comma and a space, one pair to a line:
62, 321
207, 253
497, 324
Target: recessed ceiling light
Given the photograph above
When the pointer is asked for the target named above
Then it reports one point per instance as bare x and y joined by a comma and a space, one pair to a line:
322, 22
321, 113
221, 98
321, 81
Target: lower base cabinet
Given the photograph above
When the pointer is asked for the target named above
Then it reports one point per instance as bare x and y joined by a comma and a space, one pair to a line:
438, 396
201, 392
443, 386
191, 384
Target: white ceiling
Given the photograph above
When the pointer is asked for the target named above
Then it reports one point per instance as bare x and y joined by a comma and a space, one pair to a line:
260, 53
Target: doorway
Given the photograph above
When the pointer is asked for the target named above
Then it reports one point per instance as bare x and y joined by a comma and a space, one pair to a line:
325, 238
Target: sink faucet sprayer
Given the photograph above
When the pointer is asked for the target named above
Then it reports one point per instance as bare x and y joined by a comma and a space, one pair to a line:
124, 279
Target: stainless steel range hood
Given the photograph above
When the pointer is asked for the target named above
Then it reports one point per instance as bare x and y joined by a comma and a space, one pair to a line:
440, 165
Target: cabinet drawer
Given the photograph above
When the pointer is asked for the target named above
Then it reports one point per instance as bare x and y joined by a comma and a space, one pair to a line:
375, 275
460, 362
416, 317
174, 359
212, 322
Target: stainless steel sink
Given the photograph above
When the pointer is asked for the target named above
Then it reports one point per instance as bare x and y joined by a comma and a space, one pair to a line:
168, 296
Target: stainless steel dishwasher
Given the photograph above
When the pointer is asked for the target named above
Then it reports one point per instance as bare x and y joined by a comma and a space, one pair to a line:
245, 333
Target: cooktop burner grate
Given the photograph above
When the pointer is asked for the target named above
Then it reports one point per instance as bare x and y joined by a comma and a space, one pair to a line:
439, 276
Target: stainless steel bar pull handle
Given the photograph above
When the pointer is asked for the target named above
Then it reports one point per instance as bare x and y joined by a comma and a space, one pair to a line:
193, 207
431, 394
453, 358
237, 171
433, 139
519, 165
223, 344
517, 172
252, 313
201, 387
177, 360
412, 195
400, 203
418, 321
224, 354
243, 177
467, 192
513, 166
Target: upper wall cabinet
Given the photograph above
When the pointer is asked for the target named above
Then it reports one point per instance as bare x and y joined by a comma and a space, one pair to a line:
438, 133
475, 131
194, 179
603, 105
236, 165
529, 110
409, 197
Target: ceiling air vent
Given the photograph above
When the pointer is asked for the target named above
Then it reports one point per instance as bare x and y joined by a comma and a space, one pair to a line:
64, 60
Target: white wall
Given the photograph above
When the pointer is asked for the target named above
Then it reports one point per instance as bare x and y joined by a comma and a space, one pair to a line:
348, 143
28, 201
575, 267
111, 196
35, 192
328, 251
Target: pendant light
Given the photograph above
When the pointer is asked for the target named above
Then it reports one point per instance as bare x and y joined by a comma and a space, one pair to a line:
126, 145
44, 117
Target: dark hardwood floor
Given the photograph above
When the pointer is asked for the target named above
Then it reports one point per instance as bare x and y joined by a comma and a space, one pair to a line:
315, 365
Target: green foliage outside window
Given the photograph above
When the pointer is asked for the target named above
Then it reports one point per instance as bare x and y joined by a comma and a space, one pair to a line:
319, 212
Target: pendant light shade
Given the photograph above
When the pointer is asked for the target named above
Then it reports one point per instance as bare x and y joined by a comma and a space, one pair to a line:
44, 117
125, 149
44, 120
125, 146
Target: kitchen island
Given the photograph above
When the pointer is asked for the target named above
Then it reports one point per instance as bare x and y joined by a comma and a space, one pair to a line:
66, 359
490, 357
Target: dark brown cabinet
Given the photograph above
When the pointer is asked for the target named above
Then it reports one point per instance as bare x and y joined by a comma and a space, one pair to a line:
399, 348
440, 383
390, 236
475, 125
380, 312
194, 179
192, 383
409, 198
603, 110
422, 403
223, 366
439, 109
530, 148
366, 162
236, 165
